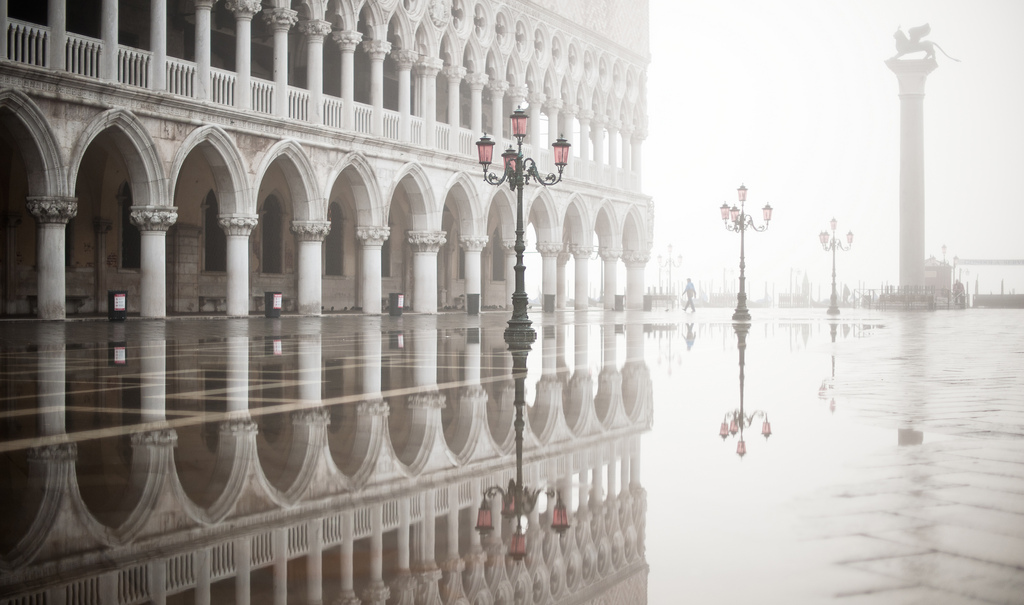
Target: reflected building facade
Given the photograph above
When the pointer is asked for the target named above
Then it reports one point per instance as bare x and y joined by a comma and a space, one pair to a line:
223, 465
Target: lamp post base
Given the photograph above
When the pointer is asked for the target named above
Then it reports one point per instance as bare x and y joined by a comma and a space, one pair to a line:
833, 310
520, 332
741, 315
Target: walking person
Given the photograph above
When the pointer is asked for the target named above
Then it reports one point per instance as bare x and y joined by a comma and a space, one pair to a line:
690, 292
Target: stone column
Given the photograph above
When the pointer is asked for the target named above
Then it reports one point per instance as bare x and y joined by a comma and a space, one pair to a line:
517, 94
108, 34
510, 270
611, 267
582, 256
203, 9
536, 100
237, 228
638, 164
476, 83
911, 75
280, 20
52, 215
584, 117
11, 222
454, 74
404, 60
636, 263
597, 132
613, 139
377, 49
310, 236
627, 157
244, 11
153, 223
555, 129
314, 573
376, 592
4, 25
57, 20
347, 41
497, 89
567, 116
560, 294
369, 286
348, 595
473, 245
243, 567
549, 252
425, 245
315, 30
428, 68
157, 44
452, 590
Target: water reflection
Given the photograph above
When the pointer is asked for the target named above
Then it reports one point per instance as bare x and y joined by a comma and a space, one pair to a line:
736, 421
240, 463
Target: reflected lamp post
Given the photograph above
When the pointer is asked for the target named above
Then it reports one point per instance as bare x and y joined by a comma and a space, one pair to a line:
832, 243
518, 171
518, 500
737, 220
735, 421
669, 262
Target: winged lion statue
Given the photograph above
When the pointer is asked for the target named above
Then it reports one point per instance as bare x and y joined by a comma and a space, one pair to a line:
912, 44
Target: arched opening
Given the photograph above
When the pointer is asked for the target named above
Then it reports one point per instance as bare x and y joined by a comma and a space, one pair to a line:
131, 238
334, 244
271, 236
215, 243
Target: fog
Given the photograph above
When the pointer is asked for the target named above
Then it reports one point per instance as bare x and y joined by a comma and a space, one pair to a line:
792, 98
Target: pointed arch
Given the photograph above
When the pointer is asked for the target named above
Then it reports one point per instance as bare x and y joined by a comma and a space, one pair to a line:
468, 202
543, 215
634, 232
307, 201
577, 223
36, 142
606, 226
364, 186
425, 211
226, 163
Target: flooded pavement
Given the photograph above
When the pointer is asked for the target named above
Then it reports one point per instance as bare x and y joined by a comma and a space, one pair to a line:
345, 459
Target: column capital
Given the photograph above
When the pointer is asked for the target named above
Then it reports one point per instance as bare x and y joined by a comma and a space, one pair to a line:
554, 104
429, 67
156, 438
550, 248
311, 231
280, 19
373, 407
404, 58
600, 118
427, 401
585, 115
238, 224
613, 124
580, 251
204, 4
52, 210
497, 87
571, 109
376, 48
373, 235
636, 258
477, 81
244, 9
454, 73
518, 91
238, 426
563, 257
315, 28
608, 254
536, 98
473, 243
640, 134
626, 130
911, 73
154, 218
347, 40
427, 241
311, 417
376, 593
509, 245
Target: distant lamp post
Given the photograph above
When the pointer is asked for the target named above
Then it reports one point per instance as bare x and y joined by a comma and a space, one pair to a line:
737, 420
518, 500
737, 220
832, 243
669, 262
518, 171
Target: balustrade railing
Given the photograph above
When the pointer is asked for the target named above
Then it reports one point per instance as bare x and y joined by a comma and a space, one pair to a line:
133, 66
416, 130
363, 118
391, 124
181, 77
261, 94
441, 135
82, 55
298, 104
332, 112
27, 43
466, 142
222, 86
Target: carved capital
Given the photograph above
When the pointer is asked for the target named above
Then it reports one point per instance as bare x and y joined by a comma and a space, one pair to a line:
640, 134
347, 40
427, 401
348, 597
473, 395
571, 109
243, 9
52, 210
373, 407
497, 87
536, 98
311, 231
563, 257
585, 115
54, 453
613, 124
553, 104
636, 258
315, 28
454, 565
509, 245
204, 4
280, 19
377, 49
473, 243
153, 218
477, 81
427, 241
373, 235
158, 438
454, 73
376, 593
237, 426
608, 254
580, 251
238, 224
404, 58
429, 67
550, 248
311, 417
518, 92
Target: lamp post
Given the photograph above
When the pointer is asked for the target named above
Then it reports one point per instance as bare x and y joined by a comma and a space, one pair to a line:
669, 262
518, 500
736, 219
738, 420
518, 171
832, 243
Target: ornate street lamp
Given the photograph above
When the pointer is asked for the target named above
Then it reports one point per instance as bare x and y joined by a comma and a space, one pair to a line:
737, 420
518, 171
737, 220
518, 500
832, 243
669, 262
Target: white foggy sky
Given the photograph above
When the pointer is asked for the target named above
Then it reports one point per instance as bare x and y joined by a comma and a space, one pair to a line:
792, 98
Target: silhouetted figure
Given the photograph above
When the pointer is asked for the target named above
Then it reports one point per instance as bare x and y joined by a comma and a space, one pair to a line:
690, 293
690, 336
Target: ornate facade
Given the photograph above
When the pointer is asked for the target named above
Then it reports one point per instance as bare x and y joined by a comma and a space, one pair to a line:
197, 153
